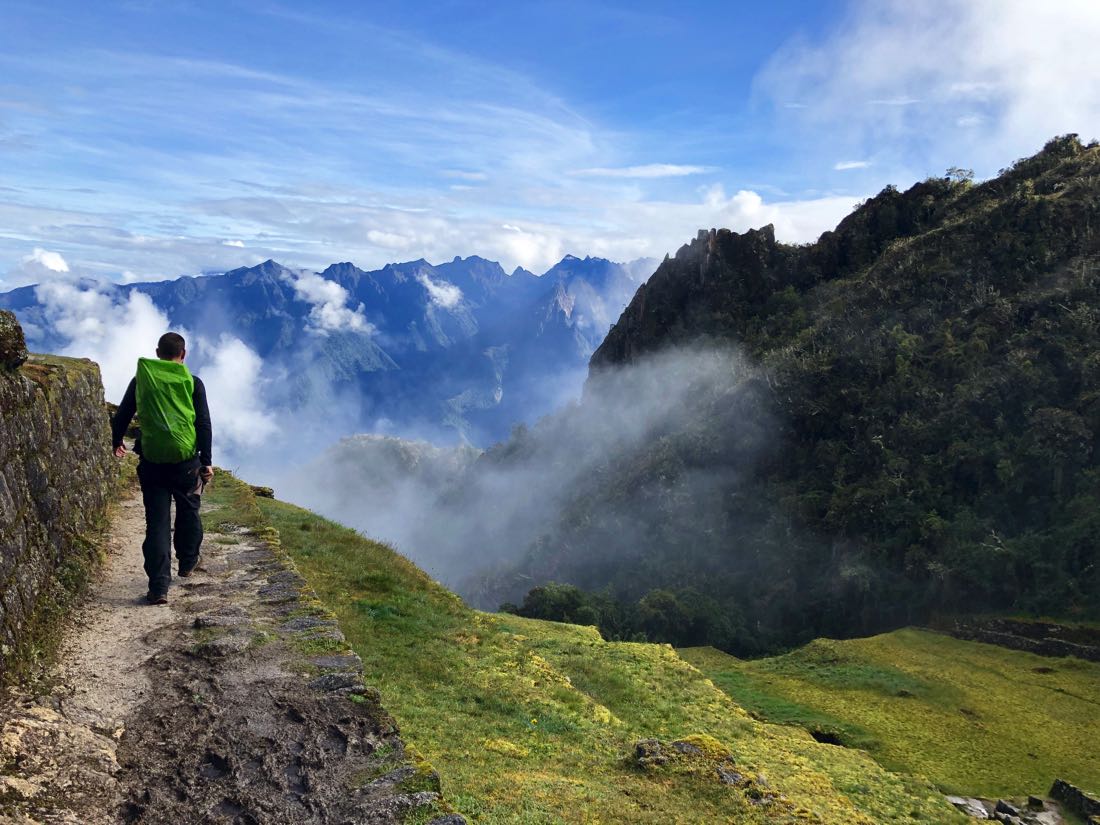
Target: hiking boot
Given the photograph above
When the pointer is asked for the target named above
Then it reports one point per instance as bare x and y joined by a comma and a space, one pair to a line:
156, 598
185, 572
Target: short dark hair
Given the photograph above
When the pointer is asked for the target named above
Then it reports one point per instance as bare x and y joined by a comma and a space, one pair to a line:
171, 345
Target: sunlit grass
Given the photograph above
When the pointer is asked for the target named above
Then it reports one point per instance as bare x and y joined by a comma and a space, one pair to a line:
535, 722
974, 718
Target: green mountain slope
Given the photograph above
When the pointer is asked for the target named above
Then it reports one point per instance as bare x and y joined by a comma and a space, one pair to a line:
923, 421
975, 719
537, 722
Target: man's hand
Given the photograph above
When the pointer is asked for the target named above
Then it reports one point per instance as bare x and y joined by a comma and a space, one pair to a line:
120, 451
206, 473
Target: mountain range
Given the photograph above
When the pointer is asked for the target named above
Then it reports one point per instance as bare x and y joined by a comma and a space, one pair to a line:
460, 349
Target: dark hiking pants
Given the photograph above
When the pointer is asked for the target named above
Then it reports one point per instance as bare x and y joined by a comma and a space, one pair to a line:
160, 484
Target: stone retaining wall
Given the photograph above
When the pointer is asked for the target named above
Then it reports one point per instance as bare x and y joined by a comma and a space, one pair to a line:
56, 475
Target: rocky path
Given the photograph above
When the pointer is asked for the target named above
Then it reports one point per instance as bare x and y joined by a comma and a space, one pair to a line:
238, 702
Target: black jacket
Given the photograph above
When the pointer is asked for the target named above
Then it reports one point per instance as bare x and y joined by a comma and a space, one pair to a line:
203, 433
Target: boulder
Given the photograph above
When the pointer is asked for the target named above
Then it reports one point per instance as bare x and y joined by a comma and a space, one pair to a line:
649, 752
13, 347
1006, 808
969, 806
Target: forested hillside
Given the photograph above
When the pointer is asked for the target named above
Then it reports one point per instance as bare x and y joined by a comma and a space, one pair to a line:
920, 393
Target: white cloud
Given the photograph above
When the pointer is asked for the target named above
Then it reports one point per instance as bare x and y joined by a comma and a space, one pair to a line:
649, 170
460, 174
238, 244
112, 333
233, 376
844, 165
895, 101
971, 82
534, 250
440, 292
389, 240
38, 267
329, 312
50, 260
131, 277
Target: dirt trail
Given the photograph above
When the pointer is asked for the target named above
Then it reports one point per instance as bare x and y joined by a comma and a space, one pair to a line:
238, 702
102, 662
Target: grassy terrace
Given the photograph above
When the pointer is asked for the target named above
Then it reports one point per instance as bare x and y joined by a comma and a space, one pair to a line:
535, 722
973, 718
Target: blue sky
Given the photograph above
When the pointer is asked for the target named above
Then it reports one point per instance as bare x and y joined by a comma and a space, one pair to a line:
143, 140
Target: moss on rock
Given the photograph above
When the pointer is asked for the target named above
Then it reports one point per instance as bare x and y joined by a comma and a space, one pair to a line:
56, 478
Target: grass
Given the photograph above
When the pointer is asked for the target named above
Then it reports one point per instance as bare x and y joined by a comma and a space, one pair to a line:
535, 722
973, 718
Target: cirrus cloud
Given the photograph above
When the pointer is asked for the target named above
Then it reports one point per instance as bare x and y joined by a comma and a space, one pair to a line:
648, 170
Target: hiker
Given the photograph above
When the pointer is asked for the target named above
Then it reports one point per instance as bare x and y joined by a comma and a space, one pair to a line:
174, 446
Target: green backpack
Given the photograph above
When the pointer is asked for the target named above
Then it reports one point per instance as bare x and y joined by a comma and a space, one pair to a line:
166, 410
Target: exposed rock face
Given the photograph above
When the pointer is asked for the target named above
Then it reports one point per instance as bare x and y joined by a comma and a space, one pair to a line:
13, 349
1081, 803
56, 473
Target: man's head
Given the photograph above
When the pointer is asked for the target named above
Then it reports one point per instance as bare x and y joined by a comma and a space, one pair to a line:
171, 347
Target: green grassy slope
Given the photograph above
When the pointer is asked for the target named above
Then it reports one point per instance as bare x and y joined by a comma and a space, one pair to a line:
973, 718
535, 722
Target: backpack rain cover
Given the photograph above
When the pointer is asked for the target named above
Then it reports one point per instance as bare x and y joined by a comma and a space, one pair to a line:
166, 410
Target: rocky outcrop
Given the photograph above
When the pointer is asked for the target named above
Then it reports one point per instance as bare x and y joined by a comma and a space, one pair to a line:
13, 348
705, 756
56, 474
1033, 811
1085, 805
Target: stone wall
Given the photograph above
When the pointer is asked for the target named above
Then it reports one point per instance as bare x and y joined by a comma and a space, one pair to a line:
56, 475
1040, 638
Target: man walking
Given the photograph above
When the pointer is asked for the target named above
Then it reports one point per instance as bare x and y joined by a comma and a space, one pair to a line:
174, 446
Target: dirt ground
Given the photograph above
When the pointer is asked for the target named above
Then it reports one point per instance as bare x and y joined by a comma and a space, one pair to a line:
238, 702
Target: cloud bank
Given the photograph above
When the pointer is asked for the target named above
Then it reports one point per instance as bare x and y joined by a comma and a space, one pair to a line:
235, 386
